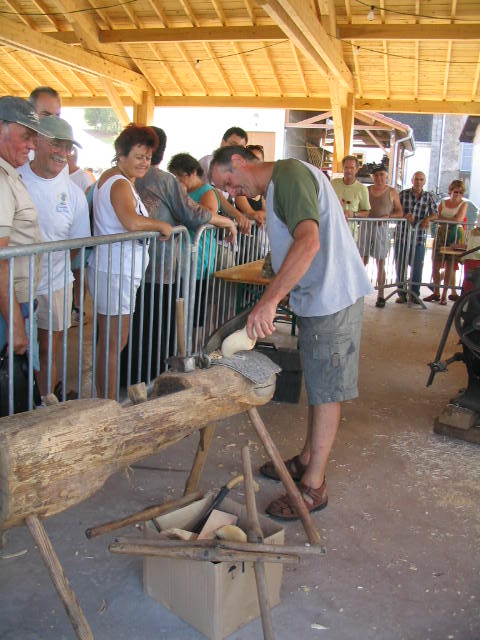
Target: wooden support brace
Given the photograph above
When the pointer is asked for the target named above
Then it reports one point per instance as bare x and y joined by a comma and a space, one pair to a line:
255, 535
60, 582
270, 447
206, 437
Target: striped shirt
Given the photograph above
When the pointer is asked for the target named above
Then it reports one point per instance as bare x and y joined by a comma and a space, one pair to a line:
420, 207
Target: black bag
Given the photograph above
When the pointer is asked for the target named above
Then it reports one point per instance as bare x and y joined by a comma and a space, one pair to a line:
20, 383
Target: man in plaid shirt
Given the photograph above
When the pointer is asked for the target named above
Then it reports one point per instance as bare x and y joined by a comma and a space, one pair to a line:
419, 208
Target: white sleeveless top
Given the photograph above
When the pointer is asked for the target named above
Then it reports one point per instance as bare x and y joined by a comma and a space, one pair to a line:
447, 212
105, 222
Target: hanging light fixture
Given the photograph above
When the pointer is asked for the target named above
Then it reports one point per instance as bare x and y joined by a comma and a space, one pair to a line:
356, 50
371, 14
197, 64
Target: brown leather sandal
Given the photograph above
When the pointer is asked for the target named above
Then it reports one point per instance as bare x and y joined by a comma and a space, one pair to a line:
294, 467
315, 500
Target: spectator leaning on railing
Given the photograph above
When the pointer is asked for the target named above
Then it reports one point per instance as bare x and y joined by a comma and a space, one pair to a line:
19, 125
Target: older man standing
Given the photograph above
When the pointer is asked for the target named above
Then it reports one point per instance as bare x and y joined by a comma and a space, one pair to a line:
419, 208
46, 101
315, 259
19, 125
353, 195
63, 214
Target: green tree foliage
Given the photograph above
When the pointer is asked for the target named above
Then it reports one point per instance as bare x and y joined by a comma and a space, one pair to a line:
102, 120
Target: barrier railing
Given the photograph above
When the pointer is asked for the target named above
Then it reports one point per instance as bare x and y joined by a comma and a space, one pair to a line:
89, 359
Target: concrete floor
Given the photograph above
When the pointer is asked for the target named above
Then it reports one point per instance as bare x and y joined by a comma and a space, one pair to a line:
402, 528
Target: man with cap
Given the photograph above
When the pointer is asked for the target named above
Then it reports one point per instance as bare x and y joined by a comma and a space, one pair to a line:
19, 125
63, 214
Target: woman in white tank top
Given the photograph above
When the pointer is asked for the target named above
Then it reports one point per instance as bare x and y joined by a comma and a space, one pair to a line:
454, 210
118, 209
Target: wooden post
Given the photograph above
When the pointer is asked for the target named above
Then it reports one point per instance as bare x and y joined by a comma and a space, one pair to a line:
206, 437
255, 535
60, 582
270, 447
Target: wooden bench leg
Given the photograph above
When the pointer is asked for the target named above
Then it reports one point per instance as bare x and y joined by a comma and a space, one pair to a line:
60, 582
206, 437
290, 486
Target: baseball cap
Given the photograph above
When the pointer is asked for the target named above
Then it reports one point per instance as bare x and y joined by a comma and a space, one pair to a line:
59, 129
13, 109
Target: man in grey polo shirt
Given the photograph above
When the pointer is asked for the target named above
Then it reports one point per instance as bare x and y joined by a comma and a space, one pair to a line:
19, 125
315, 259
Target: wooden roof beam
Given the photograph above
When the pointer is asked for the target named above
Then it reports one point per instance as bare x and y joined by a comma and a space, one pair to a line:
286, 102
268, 33
422, 31
300, 23
24, 38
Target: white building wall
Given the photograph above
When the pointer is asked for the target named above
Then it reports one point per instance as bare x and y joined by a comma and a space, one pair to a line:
475, 174
420, 161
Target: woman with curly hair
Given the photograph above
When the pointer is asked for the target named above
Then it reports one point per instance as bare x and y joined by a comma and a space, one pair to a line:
117, 208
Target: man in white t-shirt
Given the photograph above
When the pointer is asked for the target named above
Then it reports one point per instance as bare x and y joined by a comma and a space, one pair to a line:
63, 214
80, 177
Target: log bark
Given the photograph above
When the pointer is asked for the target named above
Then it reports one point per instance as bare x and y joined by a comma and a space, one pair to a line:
55, 457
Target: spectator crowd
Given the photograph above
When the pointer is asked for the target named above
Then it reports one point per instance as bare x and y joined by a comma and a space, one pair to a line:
46, 196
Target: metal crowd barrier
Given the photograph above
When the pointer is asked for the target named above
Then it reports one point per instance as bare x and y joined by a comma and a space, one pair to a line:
152, 337
407, 256
174, 271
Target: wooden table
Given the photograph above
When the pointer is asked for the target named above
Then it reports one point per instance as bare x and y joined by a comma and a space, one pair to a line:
250, 273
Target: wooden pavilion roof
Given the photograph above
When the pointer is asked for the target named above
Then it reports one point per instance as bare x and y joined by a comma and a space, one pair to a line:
414, 56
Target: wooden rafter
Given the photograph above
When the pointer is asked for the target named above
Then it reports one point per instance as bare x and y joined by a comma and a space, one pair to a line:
386, 69
23, 66
193, 69
378, 31
476, 79
218, 66
447, 69
357, 77
168, 70
250, 11
301, 25
465, 107
417, 70
17, 9
245, 68
300, 69
22, 37
376, 141
220, 12
67, 88
25, 90
181, 34
268, 55
41, 6
189, 12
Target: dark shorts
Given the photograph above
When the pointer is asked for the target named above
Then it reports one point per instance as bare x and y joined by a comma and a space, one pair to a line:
329, 347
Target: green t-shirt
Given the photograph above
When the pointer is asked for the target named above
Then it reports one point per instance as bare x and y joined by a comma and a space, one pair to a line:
295, 197
355, 196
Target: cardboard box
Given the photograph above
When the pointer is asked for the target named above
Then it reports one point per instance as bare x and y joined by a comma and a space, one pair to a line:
215, 598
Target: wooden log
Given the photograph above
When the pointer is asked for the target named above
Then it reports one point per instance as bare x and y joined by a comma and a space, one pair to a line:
191, 552
55, 457
144, 515
60, 582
